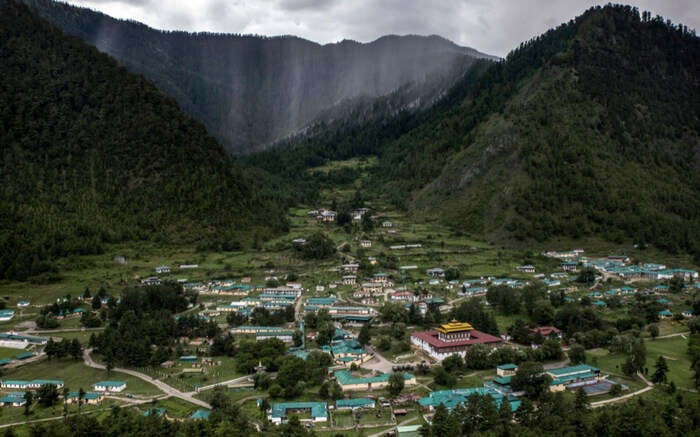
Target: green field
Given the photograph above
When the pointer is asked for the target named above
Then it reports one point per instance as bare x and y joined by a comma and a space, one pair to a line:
674, 351
75, 374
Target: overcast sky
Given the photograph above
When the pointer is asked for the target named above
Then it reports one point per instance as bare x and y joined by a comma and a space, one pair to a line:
491, 26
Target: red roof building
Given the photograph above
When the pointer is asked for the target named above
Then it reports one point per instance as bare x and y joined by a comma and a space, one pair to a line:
451, 338
547, 331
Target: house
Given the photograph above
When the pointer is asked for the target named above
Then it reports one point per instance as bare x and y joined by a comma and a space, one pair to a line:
6, 315
90, 397
687, 313
526, 269
506, 369
600, 304
460, 396
326, 215
569, 266
299, 241
277, 414
365, 243
354, 404
403, 296
372, 287
408, 431
162, 269
451, 338
665, 314
547, 331
372, 260
387, 224
22, 304
347, 352
30, 385
349, 280
382, 278
349, 382
573, 377
110, 386
188, 266
350, 268
322, 302
14, 399
435, 272
200, 415
286, 336
17, 341
150, 281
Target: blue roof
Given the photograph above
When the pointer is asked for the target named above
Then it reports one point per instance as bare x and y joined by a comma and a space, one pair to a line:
346, 378
88, 395
318, 409
157, 412
665, 313
508, 366
110, 383
354, 403
572, 369
201, 414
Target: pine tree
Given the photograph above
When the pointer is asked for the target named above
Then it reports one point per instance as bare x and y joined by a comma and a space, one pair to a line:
661, 368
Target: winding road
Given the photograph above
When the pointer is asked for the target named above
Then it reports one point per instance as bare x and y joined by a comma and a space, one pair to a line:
165, 388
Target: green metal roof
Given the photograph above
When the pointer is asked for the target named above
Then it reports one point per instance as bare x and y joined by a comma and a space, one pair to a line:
318, 409
346, 378
580, 368
354, 403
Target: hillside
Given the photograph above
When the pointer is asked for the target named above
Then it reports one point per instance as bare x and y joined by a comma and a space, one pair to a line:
92, 154
590, 129
250, 91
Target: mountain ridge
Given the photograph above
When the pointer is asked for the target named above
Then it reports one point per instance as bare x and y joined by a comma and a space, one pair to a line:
251, 91
93, 155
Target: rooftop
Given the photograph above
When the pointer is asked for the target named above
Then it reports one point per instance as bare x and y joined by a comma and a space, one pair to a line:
454, 327
318, 409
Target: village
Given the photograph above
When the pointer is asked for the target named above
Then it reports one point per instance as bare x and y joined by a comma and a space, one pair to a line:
396, 323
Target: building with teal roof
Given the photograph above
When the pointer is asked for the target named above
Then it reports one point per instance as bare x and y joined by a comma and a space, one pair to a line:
277, 414
665, 314
6, 315
321, 301
110, 386
155, 412
90, 397
352, 404
25, 355
572, 377
15, 399
459, 397
200, 415
600, 304
349, 382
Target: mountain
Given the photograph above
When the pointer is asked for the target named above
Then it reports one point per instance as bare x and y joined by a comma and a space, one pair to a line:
590, 129
92, 154
250, 91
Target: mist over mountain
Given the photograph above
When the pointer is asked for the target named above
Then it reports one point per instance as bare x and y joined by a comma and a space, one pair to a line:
250, 91
589, 130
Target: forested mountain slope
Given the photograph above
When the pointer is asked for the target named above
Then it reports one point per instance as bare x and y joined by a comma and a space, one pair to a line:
250, 91
590, 129
92, 154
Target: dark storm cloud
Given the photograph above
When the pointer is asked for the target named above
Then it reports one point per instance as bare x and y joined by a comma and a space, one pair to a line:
491, 26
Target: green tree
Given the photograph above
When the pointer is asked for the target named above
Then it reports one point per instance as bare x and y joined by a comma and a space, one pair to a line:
297, 338
396, 384
660, 370
531, 379
577, 353
364, 336
653, 330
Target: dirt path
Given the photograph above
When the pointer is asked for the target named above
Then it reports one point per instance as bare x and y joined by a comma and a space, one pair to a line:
649, 386
165, 388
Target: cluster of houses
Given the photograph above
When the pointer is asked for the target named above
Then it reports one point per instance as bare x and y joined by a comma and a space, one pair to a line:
17, 398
